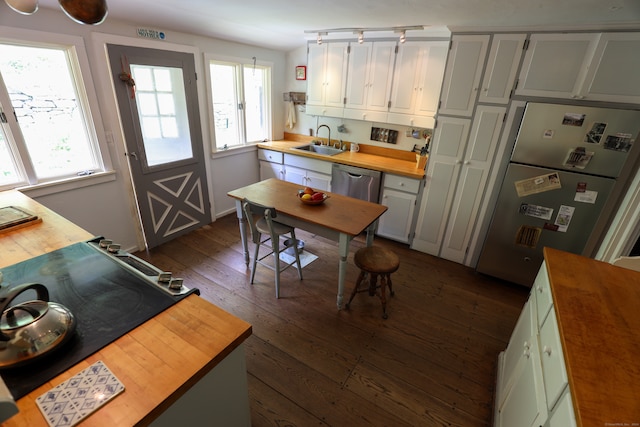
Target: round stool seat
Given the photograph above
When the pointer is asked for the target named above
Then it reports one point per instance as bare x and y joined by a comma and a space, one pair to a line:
374, 259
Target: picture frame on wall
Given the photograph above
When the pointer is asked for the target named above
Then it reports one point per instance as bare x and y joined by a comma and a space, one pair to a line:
301, 72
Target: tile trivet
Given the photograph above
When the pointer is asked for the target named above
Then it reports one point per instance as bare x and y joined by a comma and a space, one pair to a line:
78, 397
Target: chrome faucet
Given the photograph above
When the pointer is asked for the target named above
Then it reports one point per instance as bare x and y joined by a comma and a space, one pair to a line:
329, 129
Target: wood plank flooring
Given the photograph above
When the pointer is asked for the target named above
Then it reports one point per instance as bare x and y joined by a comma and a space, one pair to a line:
431, 363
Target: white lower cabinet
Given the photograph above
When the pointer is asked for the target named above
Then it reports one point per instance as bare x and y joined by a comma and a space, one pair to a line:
532, 386
524, 404
562, 415
270, 164
307, 172
399, 195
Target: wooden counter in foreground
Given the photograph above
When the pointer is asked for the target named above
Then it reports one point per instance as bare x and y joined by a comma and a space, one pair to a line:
159, 362
597, 306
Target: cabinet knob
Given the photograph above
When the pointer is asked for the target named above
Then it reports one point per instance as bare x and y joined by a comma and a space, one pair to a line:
467, 162
546, 349
527, 353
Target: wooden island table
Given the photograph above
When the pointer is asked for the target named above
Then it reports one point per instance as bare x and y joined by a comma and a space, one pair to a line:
185, 366
339, 218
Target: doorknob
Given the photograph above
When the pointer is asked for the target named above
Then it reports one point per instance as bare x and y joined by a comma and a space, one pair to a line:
133, 154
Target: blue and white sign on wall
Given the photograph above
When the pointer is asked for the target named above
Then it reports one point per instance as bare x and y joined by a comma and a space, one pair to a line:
150, 34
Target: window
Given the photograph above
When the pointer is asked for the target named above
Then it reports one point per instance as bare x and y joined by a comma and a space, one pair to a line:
240, 95
45, 131
162, 106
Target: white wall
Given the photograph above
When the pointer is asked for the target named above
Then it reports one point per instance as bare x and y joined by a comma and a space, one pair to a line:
108, 208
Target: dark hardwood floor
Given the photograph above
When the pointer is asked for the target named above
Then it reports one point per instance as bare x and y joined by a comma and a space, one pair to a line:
431, 363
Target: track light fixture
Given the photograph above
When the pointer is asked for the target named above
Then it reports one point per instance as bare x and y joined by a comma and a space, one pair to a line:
360, 32
403, 36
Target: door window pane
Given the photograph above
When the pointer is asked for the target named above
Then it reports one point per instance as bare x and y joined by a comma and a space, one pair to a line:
44, 99
160, 96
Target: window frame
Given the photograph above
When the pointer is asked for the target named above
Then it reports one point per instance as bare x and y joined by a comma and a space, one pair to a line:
242, 63
87, 99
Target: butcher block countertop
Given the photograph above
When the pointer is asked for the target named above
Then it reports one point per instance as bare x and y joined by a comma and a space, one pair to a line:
157, 362
386, 160
598, 310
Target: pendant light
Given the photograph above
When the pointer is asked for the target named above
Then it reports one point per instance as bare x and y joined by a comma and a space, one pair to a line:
25, 7
91, 12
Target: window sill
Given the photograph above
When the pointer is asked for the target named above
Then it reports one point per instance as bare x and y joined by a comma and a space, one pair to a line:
67, 184
234, 151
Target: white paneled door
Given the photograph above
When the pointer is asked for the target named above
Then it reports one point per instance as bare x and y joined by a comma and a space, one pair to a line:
158, 102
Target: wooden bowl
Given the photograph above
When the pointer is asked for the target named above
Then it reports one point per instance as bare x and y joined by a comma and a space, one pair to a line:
312, 202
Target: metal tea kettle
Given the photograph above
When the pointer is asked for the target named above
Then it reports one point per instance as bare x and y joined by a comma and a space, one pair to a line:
31, 329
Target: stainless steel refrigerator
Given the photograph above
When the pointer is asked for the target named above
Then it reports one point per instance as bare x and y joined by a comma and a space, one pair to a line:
557, 190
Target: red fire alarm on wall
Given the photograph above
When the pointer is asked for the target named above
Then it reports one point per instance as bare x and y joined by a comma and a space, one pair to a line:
301, 72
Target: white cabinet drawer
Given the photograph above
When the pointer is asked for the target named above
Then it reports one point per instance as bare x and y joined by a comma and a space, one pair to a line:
553, 367
401, 183
542, 291
270, 156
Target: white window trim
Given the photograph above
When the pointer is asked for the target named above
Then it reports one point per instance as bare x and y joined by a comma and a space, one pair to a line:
92, 113
208, 57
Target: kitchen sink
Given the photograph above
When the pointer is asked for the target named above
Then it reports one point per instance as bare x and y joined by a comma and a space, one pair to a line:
319, 149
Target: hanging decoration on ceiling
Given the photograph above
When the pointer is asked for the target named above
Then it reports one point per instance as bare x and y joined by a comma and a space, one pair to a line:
25, 7
90, 12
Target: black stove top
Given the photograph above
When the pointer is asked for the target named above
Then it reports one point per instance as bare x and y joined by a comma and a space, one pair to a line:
107, 299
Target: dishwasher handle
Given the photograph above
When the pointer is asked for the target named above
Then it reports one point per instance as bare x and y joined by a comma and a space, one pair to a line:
354, 175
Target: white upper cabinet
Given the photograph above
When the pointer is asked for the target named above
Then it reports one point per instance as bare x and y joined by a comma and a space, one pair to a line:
369, 77
614, 74
555, 65
462, 76
417, 81
327, 71
502, 67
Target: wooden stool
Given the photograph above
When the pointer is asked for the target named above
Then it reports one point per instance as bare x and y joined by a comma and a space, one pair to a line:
375, 261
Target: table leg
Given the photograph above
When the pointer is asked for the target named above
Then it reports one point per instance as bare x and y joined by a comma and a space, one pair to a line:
242, 223
370, 232
343, 243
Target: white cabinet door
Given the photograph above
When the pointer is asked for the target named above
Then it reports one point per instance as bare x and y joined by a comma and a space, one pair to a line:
476, 166
613, 74
369, 77
271, 170
307, 178
318, 181
521, 340
553, 367
327, 70
555, 65
396, 222
502, 67
316, 58
295, 175
462, 75
443, 168
417, 81
563, 415
524, 405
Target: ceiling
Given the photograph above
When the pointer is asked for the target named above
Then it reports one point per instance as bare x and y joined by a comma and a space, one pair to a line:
281, 24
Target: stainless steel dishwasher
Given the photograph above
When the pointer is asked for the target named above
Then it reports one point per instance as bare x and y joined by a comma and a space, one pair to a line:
363, 184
